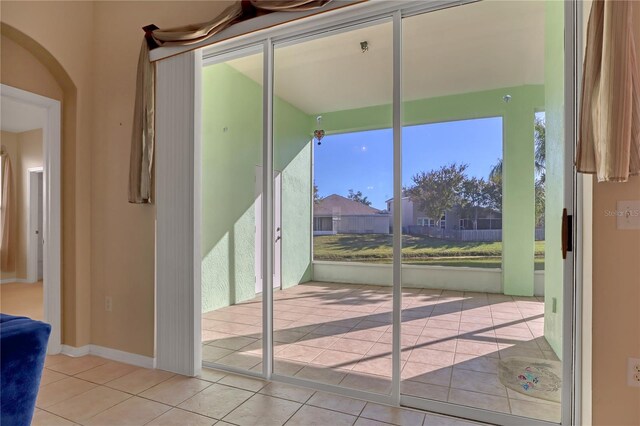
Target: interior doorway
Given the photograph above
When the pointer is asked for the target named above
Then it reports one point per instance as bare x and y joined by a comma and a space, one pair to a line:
31, 141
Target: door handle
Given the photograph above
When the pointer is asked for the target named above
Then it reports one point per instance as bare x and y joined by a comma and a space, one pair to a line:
567, 233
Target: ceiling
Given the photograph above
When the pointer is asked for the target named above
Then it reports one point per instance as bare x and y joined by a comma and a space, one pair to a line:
479, 46
17, 117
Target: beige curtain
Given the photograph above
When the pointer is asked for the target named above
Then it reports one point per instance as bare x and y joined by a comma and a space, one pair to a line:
142, 140
7, 256
609, 134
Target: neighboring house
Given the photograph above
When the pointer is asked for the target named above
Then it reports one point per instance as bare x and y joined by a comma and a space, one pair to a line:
453, 219
336, 214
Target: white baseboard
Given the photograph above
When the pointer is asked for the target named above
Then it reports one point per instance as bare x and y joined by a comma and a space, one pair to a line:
121, 356
109, 353
75, 352
15, 280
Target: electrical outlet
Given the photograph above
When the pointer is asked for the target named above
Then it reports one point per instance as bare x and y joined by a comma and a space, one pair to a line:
633, 372
108, 304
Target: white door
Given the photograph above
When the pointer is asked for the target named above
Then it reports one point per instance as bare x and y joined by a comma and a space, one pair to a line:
40, 247
35, 225
277, 219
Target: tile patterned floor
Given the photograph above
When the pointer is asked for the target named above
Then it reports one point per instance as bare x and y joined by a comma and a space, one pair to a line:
95, 391
341, 334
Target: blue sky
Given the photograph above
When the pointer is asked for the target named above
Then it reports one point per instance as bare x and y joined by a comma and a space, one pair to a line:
363, 161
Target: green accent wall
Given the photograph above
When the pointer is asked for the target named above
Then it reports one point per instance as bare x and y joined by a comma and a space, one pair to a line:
518, 152
292, 147
555, 169
231, 149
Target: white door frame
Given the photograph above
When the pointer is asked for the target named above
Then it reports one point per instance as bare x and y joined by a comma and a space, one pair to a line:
51, 147
33, 238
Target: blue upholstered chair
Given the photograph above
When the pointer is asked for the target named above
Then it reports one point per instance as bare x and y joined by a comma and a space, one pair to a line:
23, 348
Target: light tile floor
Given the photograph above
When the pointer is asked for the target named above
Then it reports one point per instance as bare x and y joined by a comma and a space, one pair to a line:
95, 391
341, 334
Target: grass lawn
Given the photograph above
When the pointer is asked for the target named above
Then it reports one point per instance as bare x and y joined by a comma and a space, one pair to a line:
416, 250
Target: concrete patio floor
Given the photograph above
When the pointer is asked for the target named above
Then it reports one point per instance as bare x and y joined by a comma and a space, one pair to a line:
340, 334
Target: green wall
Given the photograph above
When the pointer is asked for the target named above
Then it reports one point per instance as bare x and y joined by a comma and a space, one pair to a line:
555, 169
292, 147
231, 149
518, 191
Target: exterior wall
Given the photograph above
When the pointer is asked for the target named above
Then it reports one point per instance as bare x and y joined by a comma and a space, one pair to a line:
231, 149
409, 213
363, 224
518, 115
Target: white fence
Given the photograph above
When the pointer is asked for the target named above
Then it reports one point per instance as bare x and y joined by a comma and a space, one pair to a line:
485, 235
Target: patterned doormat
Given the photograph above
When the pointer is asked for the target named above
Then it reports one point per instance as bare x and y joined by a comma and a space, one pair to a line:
534, 377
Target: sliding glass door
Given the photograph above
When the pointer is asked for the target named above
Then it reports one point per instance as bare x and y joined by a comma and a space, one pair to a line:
412, 226
232, 117
482, 313
333, 142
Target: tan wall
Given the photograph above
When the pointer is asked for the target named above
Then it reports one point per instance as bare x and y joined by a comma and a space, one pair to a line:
29, 156
59, 36
616, 300
616, 317
10, 142
122, 250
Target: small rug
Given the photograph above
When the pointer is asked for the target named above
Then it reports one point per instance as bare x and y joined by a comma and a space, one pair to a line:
534, 377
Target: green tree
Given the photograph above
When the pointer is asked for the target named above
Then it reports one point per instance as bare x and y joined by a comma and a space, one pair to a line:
439, 190
475, 196
540, 168
316, 195
493, 189
357, 196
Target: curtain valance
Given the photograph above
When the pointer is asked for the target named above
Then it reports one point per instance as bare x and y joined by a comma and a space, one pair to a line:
143, 137
609, 134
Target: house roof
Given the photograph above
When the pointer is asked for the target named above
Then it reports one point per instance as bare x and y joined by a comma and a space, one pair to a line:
391, 199
337, 204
